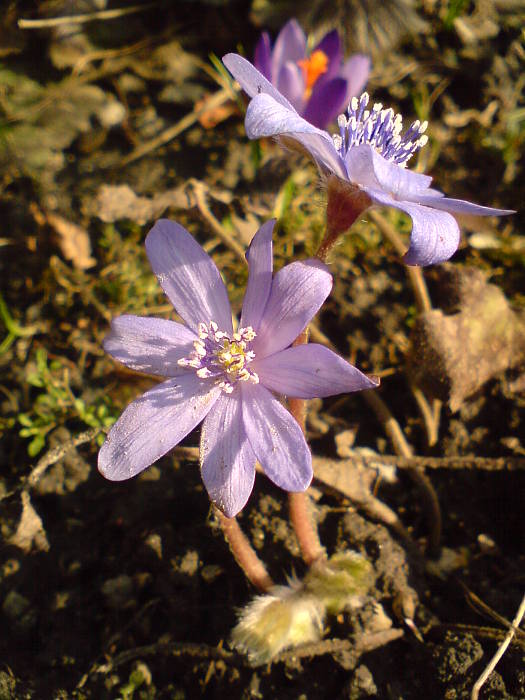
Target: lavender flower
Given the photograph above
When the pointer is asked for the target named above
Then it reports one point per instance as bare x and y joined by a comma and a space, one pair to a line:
221, 376
318, 85
368, 160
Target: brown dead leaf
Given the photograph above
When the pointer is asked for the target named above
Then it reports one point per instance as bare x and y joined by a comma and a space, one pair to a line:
116, 202
73, 241
30, 531
215, 115
452, 356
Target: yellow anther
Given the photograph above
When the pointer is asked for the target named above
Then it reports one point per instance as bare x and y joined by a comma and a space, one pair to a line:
313, 68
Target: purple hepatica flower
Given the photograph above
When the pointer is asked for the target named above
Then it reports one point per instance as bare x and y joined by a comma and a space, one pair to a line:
318, 85
221, 376
368, 158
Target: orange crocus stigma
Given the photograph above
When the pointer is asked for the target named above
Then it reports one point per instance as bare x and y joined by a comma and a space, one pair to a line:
313, 69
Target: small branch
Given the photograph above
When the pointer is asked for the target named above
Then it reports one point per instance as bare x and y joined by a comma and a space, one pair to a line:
402, 447
415, 274
486, 464
501, 650
429, 413
169, 134
96, 16
199, 192
244, 554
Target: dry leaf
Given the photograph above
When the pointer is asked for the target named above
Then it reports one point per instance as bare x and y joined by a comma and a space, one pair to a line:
30, 530
116, 202
73, 241
451, 357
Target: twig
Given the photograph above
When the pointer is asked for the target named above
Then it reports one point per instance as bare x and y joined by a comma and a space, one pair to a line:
499, 653
96, 16
430, 412
51, 457
488, 464
169, 134
402, 447
199, 192
415, 274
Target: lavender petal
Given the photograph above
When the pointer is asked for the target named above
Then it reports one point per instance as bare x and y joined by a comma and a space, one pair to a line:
310, 371
290, 83
260, 260
276, 439
152, 345
370, 170
153, 424
435, 234
227, 459
298, 292
188, 276
267, 117
460, 206
251, 80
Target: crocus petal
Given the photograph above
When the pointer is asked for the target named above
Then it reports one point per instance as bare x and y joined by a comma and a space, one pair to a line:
267, 117
460, 206
435, 234
152, 345
290, 83
276, 439
260, 260
251, 80
326, 102
298, 292
310, 371
153, 424
227, 459
370, 170
355, 71
290, 45
263, 56
330, 45
188, 276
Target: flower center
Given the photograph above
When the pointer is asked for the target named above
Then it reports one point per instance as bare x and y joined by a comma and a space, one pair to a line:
313, 68
379, 128
222, 358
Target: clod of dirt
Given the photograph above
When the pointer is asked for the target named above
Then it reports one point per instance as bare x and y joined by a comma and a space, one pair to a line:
451, 357
118, 592
18, 611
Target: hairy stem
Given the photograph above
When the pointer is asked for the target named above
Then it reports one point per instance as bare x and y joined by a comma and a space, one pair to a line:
299, 506
339, 217
244, 554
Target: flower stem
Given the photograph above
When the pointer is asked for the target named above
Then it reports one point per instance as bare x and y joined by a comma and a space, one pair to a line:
299, 506
343, 208
244, 554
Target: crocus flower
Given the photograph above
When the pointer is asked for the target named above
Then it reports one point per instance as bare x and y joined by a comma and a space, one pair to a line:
222, 376
318, 84
367, 162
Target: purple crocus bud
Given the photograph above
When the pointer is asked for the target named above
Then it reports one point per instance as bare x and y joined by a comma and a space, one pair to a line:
318, 84
364, 165
221, 375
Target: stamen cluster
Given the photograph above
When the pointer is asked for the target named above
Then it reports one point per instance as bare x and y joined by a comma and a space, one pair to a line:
216, 355
379, 128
